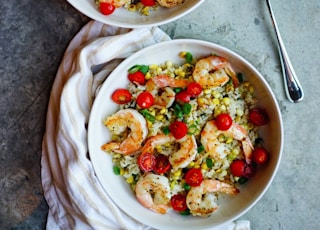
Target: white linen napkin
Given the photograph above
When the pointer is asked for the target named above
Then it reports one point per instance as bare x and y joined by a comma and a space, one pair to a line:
75, 197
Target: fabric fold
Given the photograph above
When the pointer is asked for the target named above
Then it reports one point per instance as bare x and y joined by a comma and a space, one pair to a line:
76, 199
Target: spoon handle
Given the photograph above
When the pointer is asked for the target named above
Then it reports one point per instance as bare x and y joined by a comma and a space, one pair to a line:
292, 85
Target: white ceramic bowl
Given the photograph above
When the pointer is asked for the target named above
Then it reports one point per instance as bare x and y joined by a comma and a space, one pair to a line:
231, 207
123, 18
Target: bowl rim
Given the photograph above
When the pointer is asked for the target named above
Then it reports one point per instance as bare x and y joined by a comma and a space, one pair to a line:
238, 58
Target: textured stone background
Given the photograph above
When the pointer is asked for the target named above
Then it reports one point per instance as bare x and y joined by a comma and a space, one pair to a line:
34, 35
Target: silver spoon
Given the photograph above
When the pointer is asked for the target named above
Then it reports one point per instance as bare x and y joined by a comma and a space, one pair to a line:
292, 86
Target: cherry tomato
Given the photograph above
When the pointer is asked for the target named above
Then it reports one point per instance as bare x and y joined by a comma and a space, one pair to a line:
145, 100
183, 96
178, 129
148, 2
137, 77
162, 164
194, 177
258, 116
194, 89
178, 202
223, 121
146, 161
237, 167
107, 8
121, 96
260, 155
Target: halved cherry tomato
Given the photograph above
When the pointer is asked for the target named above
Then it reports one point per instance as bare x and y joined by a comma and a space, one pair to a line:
260, 155
148, 2
121, 96
194, 177
237, 167
146, 161
137, 77
183, 96
258, 116
162, 164
223, 121
178, 129
145, 100
178, 202
106, 8
194, 89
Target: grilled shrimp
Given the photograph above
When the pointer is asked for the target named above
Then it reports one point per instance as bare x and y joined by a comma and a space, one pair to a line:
169, 3
201, 200
181, 157
160, 88
214, 71
210, 134
153, 192
132, 125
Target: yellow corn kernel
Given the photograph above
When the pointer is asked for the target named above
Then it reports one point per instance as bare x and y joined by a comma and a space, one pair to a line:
235, 152
121, 171
177, 173
246, 84
172, 184
237, 119
196, 166
159, 69
229, 140
191, 164
130, 180
215, 101
221, 138
182, 54
147, 76
251, 89
132, 8
159, 117
149, 123
153, 66
153, 112
145, 11
169, 64
226, 101
217, 112
239, 112
163, 111
158, 148
207, 91
202, 101
216, 94
204, 166
223, 108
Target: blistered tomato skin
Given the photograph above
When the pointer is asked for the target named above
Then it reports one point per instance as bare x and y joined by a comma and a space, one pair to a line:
194, 89
194, 177
106, 8
137, 77
223, 121
178, 129
146, 161
258, 116
121, 96
178, 202
260, 156
145, 100
237, 168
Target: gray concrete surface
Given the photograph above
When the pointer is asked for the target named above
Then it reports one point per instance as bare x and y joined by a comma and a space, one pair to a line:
34, 35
